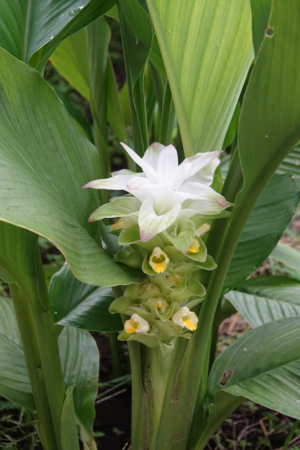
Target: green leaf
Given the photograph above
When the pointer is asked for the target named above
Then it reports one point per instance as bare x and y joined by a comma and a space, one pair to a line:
266, 366
291, 163
68, 427
80, 363
276, 287
76, 112
269, 122
156, 59
71, 60
14, 380
258, 310
265, 226
80, 305
8, 322
136, 32
205, 88
41, 149
260, 16
288, 256
31, 27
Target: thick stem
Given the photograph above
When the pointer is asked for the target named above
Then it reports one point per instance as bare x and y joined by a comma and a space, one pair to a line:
34, 366
115, 354
48, 348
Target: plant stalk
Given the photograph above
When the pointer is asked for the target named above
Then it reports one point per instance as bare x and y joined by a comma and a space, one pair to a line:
34, 366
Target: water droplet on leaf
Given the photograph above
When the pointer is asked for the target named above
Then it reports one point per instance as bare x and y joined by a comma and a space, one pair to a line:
51, 37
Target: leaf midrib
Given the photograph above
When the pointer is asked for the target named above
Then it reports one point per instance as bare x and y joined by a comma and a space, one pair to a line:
27, 29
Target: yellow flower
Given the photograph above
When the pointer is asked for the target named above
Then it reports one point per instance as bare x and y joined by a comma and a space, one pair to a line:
122, 223
161, 304
194, 248
185, 318
136, 325
159, 260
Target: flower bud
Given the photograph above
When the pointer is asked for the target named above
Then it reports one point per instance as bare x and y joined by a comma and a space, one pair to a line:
148, 287
201, 231
161, 304
175, 279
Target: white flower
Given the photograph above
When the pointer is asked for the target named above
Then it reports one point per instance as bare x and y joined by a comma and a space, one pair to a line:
159, 260
136, 325
165, 191
185, 318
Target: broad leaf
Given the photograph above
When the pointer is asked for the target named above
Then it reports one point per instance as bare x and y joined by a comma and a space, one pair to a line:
80, 364
14, 381
266, 367
269, 122
68, 426
270, 217
260, 16
45, 161
291, 163
207, 50
81, 305
288, 256
258, 310
29, 27
71, 60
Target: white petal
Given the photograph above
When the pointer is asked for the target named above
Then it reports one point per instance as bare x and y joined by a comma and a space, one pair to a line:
202, 207
205, 175
197, 191
147, 169
177, 317
127, 172
200, 160
167, 163
151, 224
138, 183
116, 183
152, 153
143, 326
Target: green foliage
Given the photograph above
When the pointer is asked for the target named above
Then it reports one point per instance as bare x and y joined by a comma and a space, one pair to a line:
81, 305
47, 211
31, 31
224, 54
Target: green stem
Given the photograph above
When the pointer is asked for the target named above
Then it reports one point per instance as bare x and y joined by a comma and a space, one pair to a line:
34, 366
167, 117
115, 354
48, 348
291, 434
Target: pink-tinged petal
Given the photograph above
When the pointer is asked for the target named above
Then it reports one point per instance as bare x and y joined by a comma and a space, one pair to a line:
152, 153
138, 183
116, 183
147, 169
151, 224
197, 191
167, 163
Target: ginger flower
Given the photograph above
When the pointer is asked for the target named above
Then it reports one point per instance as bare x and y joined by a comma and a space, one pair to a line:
194, 248
136, 325
158, 260
185, 318
164, 192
